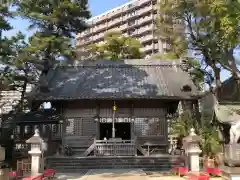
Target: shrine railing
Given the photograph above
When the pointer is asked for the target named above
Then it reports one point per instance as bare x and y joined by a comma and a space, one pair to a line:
115, 147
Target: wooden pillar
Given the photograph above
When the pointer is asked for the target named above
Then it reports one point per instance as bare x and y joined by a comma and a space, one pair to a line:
64, 126
165, 126
97, 122
132, 123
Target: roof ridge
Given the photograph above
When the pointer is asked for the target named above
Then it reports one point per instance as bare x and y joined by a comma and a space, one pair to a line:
126, 63
120, 65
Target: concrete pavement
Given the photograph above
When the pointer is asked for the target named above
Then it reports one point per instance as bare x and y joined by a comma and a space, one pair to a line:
120, 174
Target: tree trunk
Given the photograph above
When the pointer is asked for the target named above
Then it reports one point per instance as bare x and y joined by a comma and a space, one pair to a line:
217, 80
235, 71
23, 92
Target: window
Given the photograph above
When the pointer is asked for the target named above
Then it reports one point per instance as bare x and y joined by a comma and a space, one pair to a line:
70, 127
133, 13
130, 23
149, 126
131, 32
54, 128
27, 129
21, 146
130, 5
17, 130
45, 128
35, 127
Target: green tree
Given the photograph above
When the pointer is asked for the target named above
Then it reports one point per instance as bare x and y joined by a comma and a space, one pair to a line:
4, 26
115, 47
55, 23
15, 71
210, 29
210, 142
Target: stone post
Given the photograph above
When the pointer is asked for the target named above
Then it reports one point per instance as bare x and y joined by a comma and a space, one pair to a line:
36, 153
2, 153
193, 151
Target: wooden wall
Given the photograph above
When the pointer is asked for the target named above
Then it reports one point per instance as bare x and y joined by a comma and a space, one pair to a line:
149, 124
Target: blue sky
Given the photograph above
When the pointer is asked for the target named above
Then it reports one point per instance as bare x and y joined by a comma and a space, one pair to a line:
96, 7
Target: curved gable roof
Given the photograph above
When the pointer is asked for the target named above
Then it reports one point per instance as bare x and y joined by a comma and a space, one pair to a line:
126, 79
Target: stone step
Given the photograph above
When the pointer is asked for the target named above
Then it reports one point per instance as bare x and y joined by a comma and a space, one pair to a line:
107, 163
110, 160
73, 164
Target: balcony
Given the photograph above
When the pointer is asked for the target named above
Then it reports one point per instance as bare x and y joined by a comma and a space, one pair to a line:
166, 46
145, 19
144, 29
130, 6
150, 47
144, 2
97, 37
115, 13
147, 48
99, 27
123, 27
132, 24
146, 38
145, 10
131, 15
114, 22
100, 18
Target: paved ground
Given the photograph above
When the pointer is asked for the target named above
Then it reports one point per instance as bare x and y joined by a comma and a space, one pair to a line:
120, 174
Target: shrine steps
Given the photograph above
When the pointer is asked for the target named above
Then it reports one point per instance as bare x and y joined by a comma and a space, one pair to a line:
162, 163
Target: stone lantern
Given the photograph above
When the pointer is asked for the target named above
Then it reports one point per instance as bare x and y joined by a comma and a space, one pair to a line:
3, 170
36, 153
192, 150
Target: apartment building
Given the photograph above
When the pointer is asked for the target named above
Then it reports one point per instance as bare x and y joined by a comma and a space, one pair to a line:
9, 99
136, 18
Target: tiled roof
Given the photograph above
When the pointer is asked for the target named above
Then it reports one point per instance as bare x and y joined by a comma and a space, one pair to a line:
230, 91
127, 79
11, 119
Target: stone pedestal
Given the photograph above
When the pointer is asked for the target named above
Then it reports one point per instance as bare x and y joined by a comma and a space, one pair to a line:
231, 173
36, 153
231, 170
4, 173
3, 170
192, 151
2, 153
232, 155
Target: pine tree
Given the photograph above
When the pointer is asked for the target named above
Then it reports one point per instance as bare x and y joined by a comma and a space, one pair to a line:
4, 51
16, 72
56, 22
116, 47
